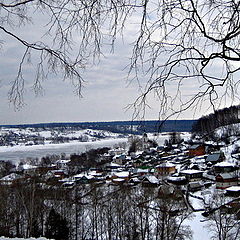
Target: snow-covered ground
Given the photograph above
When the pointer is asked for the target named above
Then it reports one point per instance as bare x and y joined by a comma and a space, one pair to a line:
198, 223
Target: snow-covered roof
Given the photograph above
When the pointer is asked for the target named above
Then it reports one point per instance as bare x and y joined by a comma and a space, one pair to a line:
191, 171
176, 179
115, 165
224, 164
165, 164
233, 189
227, 175
140, 170
11, 177
28, 166
122, 174
118, 180
152, 179
195, 146
79, 176
95, 174
62, 161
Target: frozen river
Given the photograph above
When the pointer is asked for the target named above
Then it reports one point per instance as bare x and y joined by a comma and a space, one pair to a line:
16, 153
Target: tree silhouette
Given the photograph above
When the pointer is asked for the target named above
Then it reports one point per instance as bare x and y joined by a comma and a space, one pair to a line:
56, 226
177, 44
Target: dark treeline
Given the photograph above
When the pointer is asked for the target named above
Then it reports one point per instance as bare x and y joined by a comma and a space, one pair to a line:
92, 212
207, 124
125, 127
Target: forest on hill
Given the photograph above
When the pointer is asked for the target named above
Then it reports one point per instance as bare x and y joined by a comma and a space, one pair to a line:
220, 118
124, 127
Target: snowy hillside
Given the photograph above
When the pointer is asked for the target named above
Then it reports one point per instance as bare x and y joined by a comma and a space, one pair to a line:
40, 136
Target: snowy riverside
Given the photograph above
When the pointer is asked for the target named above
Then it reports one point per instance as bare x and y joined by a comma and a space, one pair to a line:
125, 184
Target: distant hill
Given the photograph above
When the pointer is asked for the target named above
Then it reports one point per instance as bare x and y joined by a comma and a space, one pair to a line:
136, 127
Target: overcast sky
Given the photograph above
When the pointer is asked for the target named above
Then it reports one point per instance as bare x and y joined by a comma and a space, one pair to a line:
106, 93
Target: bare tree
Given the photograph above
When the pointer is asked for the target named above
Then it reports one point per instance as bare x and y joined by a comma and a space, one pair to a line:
178, 43
223, 221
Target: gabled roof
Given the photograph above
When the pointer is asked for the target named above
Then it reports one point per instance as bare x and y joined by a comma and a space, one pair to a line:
151, 179
213, 157
227, 175
11, 177
195, 146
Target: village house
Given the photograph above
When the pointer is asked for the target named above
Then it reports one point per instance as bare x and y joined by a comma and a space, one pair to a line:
141, 171
225, 167
62, 164
116, 151
215, 157
120, 159
138, 162
120, 177
196, 150
165, 169
11, 179
150, 181
177, 180
28, 169
225, 180
192, 175
83, 179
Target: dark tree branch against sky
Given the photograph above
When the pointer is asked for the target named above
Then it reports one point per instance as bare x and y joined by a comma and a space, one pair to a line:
184, 54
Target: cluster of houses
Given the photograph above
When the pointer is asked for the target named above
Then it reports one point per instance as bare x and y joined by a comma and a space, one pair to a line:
188, 165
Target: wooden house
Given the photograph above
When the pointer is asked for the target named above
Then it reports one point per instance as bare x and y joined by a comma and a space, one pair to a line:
196, 150
119, 159
225, 167
165, 169
225, 180
11, 179
192, 175
120, 177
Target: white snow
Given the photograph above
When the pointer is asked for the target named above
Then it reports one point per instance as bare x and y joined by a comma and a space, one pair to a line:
224, 164
191, 171
122, 174
233, 189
